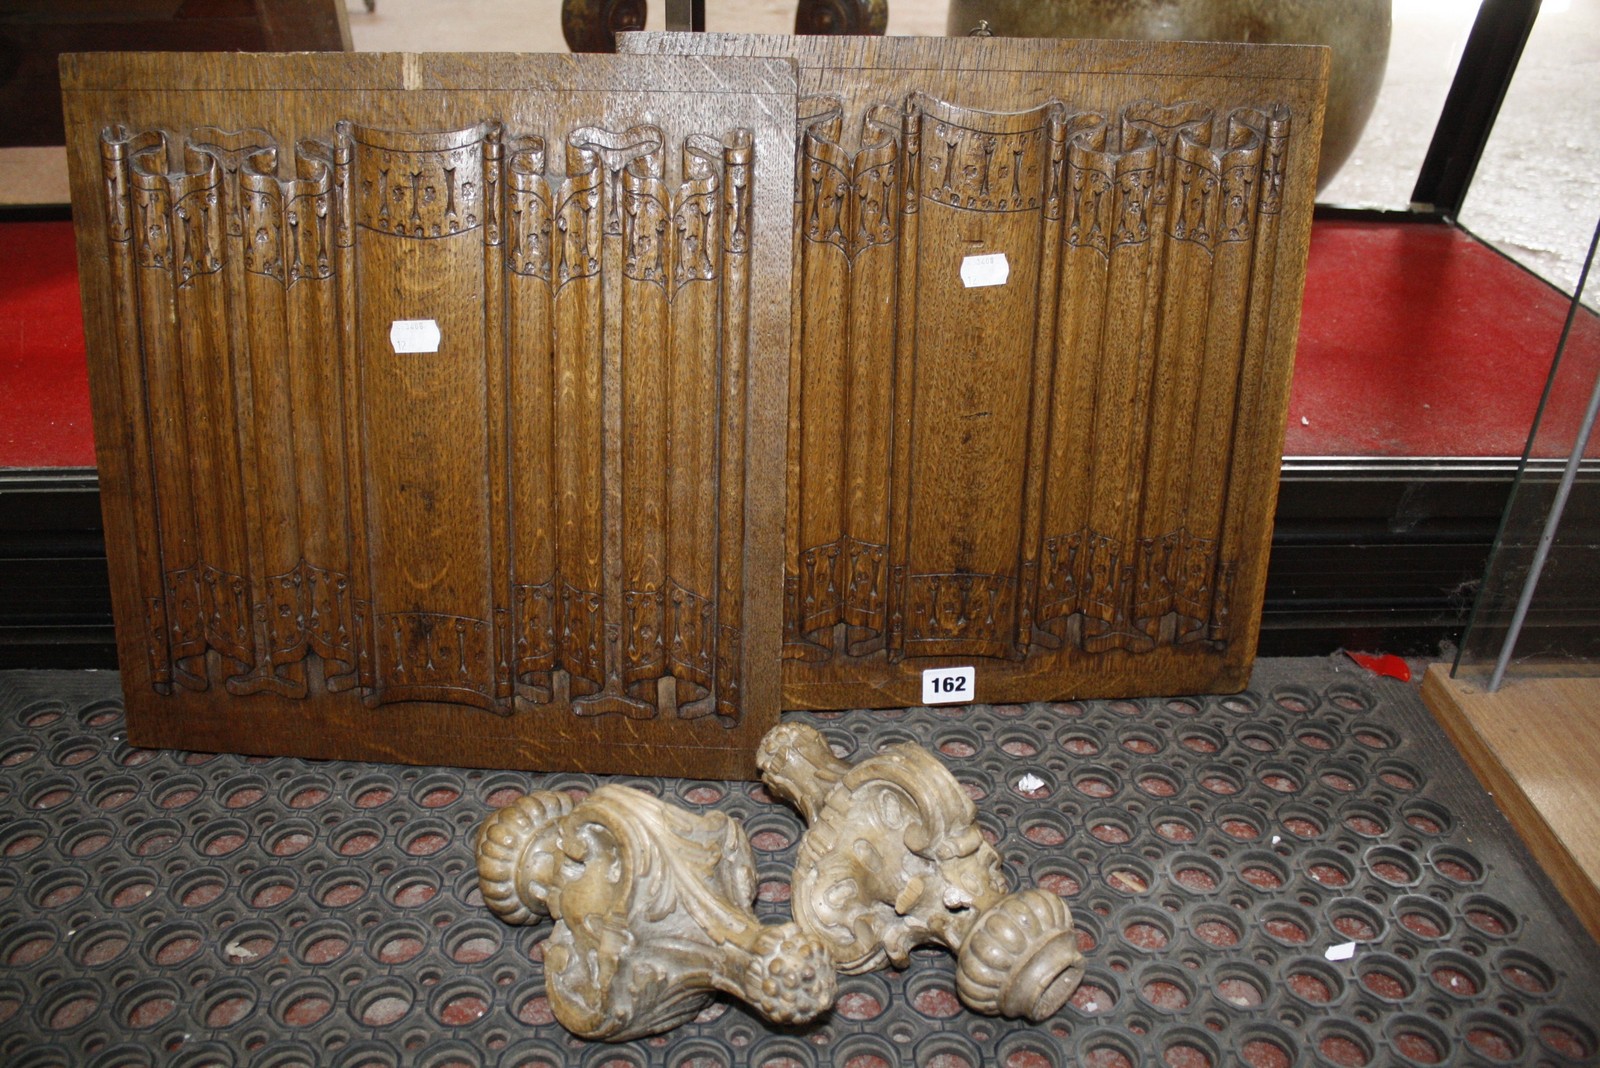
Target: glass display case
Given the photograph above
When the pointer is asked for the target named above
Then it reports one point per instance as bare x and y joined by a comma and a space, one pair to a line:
1538, 609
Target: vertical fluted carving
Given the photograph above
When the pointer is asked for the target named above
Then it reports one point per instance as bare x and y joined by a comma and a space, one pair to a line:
532, 396
693, 280
985, 180
948, 498
420, 213
176, 237
548, 509
117, 145
848, 208
1252, 381
737, 234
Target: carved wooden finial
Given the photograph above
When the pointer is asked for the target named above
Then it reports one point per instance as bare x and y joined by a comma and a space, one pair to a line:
893, 858
652, 913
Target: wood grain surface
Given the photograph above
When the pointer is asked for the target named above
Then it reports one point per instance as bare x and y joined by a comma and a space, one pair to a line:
1065, 480
1535, 746
544, 537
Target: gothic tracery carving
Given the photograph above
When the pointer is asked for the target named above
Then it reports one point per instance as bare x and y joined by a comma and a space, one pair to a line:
239, 263
1154, 210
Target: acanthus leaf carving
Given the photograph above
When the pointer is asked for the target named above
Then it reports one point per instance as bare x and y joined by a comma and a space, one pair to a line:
651, 906
893, 858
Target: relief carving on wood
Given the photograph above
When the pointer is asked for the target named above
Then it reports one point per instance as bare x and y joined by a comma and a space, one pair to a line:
611, 622
1065, 478
651, 906
1098, 523
893, 858
541, 510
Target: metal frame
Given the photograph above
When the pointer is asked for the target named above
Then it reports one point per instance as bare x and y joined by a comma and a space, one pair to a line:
1488, 63
1569, 474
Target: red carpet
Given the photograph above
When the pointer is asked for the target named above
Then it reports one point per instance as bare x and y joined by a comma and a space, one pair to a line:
44, 385
1417, 340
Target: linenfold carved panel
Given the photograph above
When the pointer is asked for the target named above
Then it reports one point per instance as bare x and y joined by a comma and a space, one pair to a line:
1064, 478
541, 514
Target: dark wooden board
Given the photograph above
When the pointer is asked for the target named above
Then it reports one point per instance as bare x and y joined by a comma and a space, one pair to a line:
35, 33
1065, 481
546, 544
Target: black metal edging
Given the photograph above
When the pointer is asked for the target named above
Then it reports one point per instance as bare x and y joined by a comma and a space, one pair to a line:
19, 213
1379, 553
1487, 65
55, 593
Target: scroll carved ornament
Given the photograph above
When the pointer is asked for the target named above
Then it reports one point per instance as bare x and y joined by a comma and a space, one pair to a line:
893, 858
651, 906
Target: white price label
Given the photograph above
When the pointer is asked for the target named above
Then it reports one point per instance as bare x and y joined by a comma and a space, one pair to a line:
989, 269
414, 335
949, 686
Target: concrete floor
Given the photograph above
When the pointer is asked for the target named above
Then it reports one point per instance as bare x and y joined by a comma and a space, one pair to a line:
1536, 195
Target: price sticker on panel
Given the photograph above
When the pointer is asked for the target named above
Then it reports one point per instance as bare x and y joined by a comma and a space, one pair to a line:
414, 335
988, 269
949, 686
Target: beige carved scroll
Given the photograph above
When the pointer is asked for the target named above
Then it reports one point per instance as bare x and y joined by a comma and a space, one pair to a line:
893, 858
651, 906
1062, 473
409, 418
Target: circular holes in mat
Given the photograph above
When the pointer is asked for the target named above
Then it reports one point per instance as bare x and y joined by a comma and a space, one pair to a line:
1146, 930
1385, 977
1342, 1043
304, 1002
1455, 975
1286, 924
1176, 825
1492, 1038
1422, 917
1216, 927
1417, 1040
227, 1003
1356, 920
23, 945
1242, 986
323, 942
1490, 917
1566, 1036
1166, 989
1525, 973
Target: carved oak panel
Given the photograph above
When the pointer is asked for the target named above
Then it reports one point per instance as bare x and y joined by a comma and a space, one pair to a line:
429, 423
1066, 479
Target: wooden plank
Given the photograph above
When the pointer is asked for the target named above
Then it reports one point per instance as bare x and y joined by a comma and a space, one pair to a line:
1535, 746
538, 539
1064, 480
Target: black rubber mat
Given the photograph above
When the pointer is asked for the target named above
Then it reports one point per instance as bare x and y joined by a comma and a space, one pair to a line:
185, 909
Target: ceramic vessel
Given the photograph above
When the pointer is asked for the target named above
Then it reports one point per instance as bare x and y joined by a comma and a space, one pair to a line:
1356, 30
